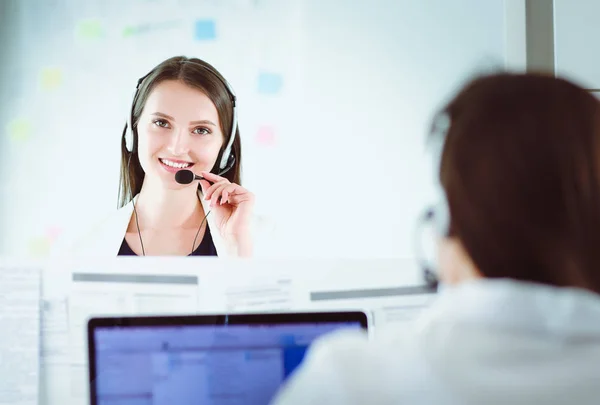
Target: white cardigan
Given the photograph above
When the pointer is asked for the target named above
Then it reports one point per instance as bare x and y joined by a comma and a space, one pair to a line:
104, 239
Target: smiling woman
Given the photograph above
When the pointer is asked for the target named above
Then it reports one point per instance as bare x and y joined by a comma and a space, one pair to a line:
183, 116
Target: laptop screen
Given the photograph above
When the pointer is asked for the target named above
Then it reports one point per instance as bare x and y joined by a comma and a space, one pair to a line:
199, 364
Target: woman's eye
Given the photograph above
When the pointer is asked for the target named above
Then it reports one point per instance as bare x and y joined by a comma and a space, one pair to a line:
201, 131
161, 123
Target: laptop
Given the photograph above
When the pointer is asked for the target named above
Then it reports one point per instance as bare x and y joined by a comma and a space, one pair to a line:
202, 359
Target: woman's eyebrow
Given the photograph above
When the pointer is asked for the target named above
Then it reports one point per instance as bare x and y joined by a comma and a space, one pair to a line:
204, 122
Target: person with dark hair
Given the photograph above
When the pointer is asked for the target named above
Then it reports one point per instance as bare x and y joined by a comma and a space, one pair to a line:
518, 319
182, 127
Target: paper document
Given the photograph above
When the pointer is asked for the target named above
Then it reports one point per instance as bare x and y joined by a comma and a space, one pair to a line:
230, 292
404, 311
54, 331
55, 381
95, 294
20, 338
389, 305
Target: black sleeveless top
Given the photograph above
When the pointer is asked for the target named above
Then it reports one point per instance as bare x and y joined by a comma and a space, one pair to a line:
205, 248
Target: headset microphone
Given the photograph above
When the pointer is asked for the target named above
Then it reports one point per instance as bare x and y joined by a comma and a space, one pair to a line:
187, 176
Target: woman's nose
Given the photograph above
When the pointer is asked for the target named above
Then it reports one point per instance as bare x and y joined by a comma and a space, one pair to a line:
179, 143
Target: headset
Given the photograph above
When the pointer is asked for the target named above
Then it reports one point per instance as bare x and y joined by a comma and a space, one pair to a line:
227, 158
439, 212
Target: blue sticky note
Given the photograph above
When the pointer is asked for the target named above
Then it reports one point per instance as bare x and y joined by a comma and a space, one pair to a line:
269, 83
205, 30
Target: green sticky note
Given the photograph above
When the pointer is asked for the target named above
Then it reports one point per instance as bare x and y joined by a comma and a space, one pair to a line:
129, 31
51, 78
90, 29
19, 129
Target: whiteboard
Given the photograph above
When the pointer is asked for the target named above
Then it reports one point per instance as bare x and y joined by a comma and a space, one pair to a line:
335, 100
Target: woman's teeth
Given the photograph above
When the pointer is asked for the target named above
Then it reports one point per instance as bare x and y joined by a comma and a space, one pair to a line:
174, 164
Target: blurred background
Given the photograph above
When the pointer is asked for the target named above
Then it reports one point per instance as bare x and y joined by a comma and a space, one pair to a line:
335, 100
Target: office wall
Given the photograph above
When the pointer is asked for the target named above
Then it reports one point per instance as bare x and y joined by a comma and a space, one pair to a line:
8, 50
335, 102
575, 38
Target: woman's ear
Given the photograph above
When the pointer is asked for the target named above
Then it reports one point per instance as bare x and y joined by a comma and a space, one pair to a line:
455, 263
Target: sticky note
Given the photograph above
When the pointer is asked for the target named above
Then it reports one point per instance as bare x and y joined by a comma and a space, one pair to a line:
40, 246
269, 83
53, 232
129, 31
19, 129
90, 29
205, 30
132, 30
51, 78
265, 136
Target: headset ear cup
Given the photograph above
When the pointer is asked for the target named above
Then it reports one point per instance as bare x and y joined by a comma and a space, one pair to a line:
129, 140
230, 161
225, 158
431, 279
228, 167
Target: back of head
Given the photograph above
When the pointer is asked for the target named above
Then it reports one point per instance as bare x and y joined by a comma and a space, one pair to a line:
520, 167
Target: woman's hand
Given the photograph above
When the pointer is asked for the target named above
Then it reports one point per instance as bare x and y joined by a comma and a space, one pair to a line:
232, 206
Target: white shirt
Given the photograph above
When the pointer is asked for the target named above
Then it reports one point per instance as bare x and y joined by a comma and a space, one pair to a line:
483, 342
104, 238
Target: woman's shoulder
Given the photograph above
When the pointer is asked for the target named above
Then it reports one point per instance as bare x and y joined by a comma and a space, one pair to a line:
89, 235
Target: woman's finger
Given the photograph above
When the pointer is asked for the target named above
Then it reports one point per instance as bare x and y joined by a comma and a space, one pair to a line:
204, 185
211, 189
212, 177
216, 194
239, 195
230, 190
238, 199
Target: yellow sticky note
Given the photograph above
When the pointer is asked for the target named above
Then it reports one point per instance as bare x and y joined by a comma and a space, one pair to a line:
40, 246
19, 129
51, 78
90, 29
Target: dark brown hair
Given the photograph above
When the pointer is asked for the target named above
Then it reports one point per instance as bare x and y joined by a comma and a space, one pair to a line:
195, 73
520, 168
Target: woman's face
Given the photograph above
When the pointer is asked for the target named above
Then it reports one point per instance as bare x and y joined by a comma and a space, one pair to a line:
179, 128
